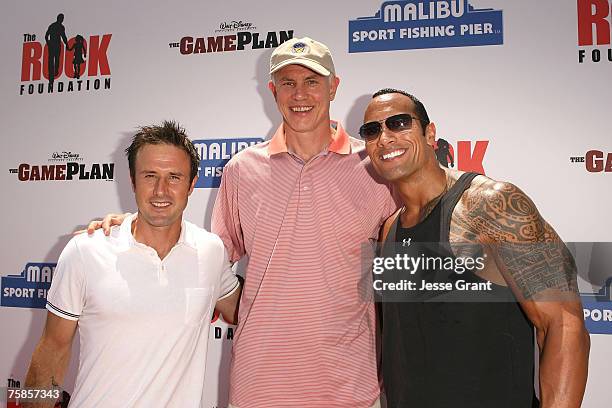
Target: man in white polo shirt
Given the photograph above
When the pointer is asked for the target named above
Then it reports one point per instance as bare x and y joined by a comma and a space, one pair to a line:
142, 298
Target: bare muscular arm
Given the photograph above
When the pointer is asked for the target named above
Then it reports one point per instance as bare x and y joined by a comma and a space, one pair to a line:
541, 272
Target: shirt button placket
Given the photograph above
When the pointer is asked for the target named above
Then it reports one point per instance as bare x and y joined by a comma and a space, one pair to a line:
163, 274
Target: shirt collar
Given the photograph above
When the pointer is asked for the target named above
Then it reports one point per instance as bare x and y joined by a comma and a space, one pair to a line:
340, 141
186, 237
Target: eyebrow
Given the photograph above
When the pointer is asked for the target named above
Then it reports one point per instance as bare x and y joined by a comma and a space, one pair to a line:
314, 76
172, 173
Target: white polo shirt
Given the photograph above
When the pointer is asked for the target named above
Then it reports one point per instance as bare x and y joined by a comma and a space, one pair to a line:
143, 322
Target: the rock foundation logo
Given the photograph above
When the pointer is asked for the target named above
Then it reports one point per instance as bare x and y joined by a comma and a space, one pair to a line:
214, 155
594, 22
239, 36
66, 166
417, 24
15, 399
469, 155
62, 64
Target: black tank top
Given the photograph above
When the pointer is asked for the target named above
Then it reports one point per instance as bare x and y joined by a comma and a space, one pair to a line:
451, 348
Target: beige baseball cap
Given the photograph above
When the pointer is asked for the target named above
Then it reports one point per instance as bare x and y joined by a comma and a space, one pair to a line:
303, 51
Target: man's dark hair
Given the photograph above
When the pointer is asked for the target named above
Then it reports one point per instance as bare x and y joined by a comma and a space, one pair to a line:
169, 133
419, 107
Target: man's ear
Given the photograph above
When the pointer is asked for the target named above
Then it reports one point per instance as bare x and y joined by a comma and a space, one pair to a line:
430, 133
193, 183
333, 87
272, 88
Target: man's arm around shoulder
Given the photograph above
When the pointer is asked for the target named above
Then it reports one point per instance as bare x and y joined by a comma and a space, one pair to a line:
228, 305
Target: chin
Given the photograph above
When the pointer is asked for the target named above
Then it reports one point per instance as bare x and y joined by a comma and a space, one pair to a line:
159, 221
391, 178
300, 127
394, 175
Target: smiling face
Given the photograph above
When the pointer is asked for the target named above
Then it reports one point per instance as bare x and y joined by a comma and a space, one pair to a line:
303, 98
161, 184
397, 155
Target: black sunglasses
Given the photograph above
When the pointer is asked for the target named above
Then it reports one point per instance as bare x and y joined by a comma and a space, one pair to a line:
396, 123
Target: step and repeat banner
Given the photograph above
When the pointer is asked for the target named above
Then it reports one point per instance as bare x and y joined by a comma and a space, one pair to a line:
519, 91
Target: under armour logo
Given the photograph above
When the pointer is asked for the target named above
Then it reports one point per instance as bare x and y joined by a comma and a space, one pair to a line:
406, 242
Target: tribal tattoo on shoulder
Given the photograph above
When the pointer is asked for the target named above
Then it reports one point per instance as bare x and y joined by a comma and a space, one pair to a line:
528, 251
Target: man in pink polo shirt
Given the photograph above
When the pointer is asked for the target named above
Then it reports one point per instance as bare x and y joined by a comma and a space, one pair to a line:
302, 206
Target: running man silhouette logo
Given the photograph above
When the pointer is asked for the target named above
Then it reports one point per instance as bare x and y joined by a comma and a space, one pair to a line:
444, 153
68, 61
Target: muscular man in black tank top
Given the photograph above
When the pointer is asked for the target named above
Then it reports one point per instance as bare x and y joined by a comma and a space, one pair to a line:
447, 346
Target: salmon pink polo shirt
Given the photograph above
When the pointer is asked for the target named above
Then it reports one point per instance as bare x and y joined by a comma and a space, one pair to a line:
306, 332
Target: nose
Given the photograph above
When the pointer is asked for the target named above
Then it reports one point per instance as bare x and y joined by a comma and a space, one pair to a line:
161, 187
299, 92
386, 136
